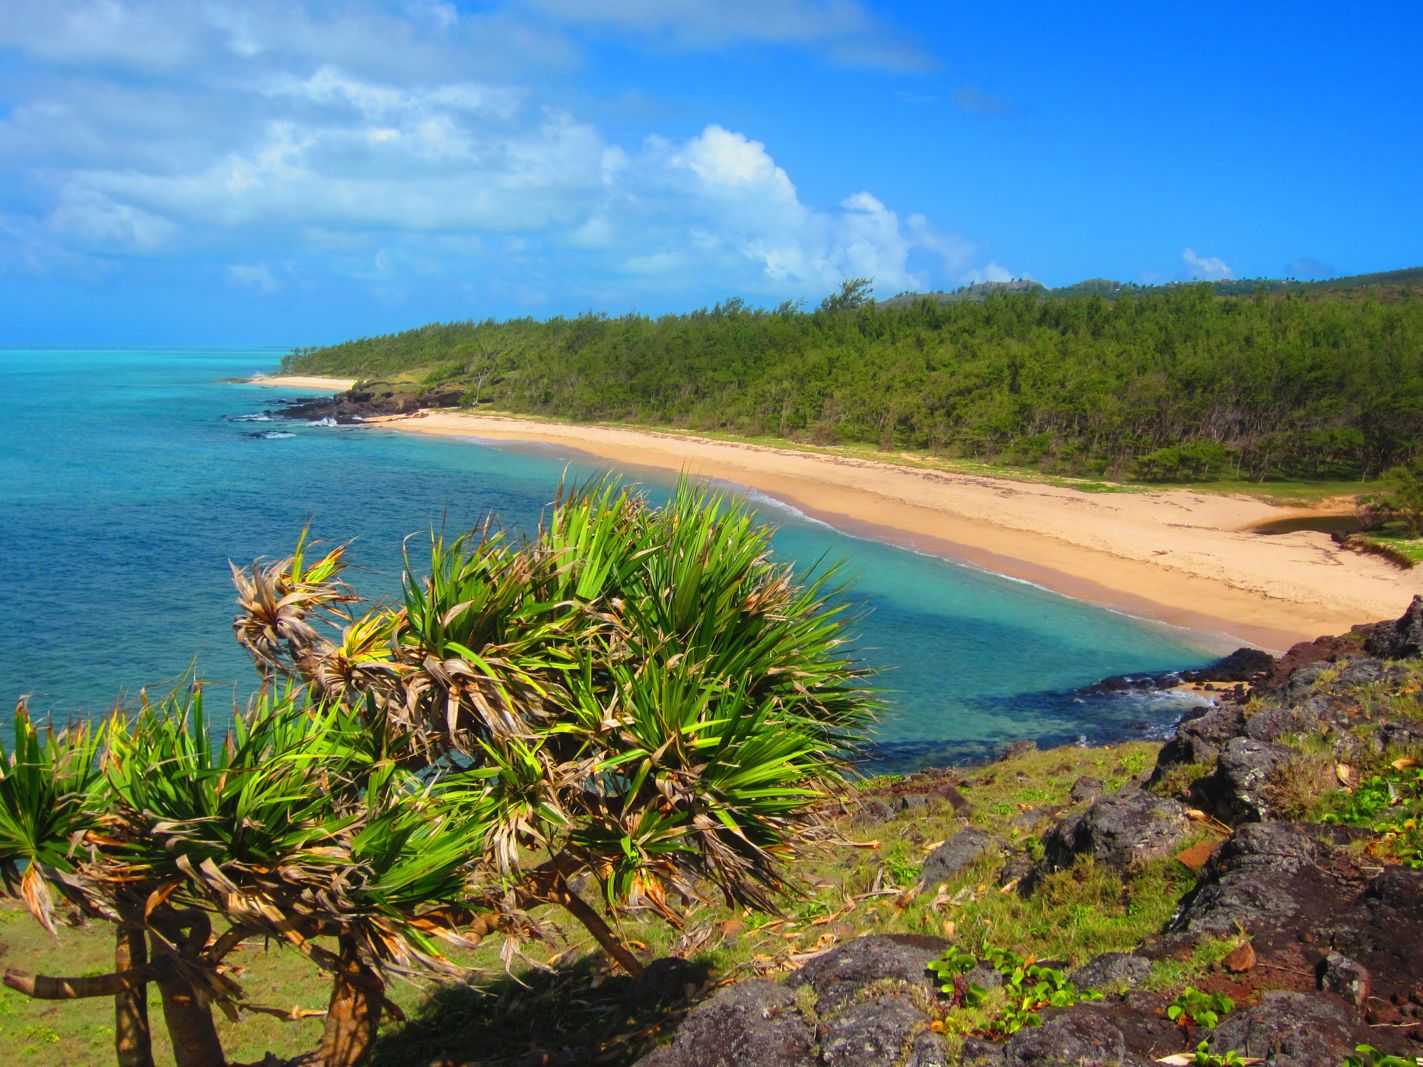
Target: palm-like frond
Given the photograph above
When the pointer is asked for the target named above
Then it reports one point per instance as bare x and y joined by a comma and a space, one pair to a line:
50, 788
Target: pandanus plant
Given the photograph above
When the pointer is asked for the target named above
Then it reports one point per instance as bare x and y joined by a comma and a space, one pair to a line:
637, 698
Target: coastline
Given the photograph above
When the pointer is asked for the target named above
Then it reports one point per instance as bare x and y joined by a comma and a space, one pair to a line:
1179, 557
300, 381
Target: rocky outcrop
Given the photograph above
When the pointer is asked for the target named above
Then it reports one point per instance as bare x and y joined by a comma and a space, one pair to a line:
1238, 790
957, 854
750, 1022
368, 400
1119, 830
1290, 1030
1345, 940
1400, 639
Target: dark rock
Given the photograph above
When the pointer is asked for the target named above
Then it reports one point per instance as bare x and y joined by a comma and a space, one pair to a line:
839, 973
1199, 739
1086, 788
1253, 882
1242, 665
753, 1022
1030, 820
978, 1052
872, 1033
1339, 974
1111, 970
1400, 639
1017, 748
1273, 723
368, 400
1235, 793
985, 977
1288, 1030
1077, 1038
928, 1051
1319, 652
668, 979
1119, 830
1019, 866
956, 854
1397, 887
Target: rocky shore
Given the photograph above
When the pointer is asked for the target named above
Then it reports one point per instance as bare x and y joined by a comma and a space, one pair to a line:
1322, 917
368, 400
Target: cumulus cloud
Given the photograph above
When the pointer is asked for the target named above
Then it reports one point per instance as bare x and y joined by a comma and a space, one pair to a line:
387, 145
1207, 268
253, 276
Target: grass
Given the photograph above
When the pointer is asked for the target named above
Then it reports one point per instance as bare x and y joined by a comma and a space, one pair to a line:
851, 884
1410, 548
1299, 493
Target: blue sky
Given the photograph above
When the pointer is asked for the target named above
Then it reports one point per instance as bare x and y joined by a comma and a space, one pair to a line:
300, 171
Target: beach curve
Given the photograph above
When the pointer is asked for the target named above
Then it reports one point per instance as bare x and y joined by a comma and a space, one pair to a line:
1177, 556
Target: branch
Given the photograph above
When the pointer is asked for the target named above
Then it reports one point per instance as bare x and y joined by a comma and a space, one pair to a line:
43, 987
594, 924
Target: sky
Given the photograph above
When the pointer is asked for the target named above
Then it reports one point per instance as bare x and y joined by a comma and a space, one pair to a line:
253, 172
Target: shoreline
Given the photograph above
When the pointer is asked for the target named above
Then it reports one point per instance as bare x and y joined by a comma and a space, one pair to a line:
1177, 557
300, 381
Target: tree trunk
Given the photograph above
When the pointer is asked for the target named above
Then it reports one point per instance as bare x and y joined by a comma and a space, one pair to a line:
132, 1044
357, 996
189, 1020
581, 910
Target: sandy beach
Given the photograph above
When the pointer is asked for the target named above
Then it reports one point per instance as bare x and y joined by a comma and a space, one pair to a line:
1181, 557
302, 381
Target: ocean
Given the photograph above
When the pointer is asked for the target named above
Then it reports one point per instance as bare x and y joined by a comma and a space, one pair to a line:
129, 479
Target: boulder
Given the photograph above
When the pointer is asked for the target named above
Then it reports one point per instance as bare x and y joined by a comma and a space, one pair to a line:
753, 1022
837, 975
1120, 830
872, 1033
1199, 739
1235, 793
1289, 1030
1339, 974
1086, 788
1400, 639
1112, 970
1077, 1038
1242, 665
1253, 882
956, 854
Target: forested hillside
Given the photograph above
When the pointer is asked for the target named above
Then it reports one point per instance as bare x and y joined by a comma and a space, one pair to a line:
1180, 382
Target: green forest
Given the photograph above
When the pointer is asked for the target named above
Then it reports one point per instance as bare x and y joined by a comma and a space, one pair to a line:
1174, 383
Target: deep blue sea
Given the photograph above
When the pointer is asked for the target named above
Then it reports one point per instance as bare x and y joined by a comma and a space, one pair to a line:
129, 478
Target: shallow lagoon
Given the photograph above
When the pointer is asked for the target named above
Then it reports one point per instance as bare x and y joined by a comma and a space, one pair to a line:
129, 478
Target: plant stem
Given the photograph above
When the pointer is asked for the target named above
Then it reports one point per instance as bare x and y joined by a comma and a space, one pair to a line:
133, 1045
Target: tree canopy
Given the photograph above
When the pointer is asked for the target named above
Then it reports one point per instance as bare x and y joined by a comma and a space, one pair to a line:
1297, 383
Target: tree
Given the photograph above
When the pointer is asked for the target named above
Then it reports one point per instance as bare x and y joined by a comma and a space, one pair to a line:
854, 294
1403, 493
636, 694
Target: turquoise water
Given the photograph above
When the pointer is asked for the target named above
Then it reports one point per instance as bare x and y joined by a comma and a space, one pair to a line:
128, 479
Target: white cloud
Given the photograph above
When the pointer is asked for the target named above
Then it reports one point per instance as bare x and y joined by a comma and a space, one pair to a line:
992, 272
382, 143
95, 219
253, 276
843, 30
1208, 268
